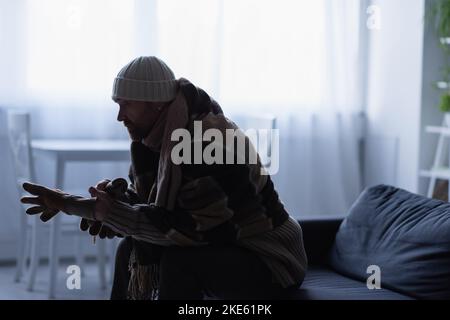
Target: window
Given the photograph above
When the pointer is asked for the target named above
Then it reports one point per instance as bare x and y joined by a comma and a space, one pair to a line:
74, 48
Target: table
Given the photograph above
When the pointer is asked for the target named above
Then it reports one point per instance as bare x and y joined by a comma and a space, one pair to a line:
63, 151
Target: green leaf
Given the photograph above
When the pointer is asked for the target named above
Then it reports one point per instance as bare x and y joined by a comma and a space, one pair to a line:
444, 105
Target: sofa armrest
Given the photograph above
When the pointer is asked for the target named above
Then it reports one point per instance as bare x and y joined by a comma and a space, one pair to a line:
318, 236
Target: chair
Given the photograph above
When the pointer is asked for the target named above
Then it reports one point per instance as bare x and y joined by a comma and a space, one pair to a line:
28, 243
19, 143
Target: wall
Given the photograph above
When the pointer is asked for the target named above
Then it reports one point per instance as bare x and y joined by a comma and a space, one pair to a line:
394, 87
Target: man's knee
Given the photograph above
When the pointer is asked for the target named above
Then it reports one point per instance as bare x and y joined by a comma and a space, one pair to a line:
124, 250
121, 274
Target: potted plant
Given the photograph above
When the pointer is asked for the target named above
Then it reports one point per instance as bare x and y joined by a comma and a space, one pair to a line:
444, 84
438, 16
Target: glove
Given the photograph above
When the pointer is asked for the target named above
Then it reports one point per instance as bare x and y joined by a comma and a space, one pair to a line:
50, 201
117, 189
97, 228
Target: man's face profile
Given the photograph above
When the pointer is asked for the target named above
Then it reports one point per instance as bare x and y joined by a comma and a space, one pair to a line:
139, 117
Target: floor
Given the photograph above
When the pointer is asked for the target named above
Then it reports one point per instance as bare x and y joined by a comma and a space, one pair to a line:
89, 284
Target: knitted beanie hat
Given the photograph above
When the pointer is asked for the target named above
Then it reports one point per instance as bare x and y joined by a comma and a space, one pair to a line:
145, 79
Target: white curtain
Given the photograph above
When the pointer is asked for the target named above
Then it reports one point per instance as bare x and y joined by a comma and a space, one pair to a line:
297, 59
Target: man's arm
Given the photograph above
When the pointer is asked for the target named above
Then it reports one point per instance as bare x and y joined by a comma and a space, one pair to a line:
121, 217
136, 221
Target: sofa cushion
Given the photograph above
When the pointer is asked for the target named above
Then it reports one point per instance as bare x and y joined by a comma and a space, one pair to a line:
322, 283
405, 234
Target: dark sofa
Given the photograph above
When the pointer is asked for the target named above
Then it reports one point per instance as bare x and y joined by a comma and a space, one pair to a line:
322, 282
405, 234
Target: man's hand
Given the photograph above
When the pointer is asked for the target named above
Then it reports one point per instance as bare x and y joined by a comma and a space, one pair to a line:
101, 185
106, 191
102, 208
48, 201
94, 227
103, 203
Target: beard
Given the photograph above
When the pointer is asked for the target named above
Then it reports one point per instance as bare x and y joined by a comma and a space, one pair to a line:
134, 137
134, 134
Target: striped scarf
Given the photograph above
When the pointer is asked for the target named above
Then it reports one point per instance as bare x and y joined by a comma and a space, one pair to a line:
158, 180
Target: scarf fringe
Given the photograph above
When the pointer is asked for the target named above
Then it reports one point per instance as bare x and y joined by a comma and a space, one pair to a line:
144, 280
